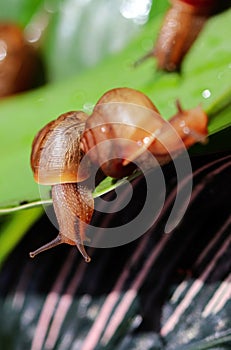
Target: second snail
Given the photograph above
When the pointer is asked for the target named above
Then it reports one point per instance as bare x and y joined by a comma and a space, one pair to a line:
130, 124
181, 26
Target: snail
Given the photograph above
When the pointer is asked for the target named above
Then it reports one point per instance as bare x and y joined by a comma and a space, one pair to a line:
190, 126
181, 26
20, 65
55, 160
123, 125
120, 115
123, 115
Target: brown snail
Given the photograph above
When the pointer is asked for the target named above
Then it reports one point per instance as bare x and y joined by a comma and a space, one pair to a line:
127, 114
181, 26
120, 115
20, 65
55, 159
190, 126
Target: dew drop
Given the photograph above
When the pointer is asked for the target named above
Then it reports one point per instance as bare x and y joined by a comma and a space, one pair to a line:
206, 93
139, 143
136, 10
186, 130
88, 107
3, 50
103, 129
182, 123
146, 140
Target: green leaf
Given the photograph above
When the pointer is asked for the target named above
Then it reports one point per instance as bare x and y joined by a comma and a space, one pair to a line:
24, 115
14, 229
19, 11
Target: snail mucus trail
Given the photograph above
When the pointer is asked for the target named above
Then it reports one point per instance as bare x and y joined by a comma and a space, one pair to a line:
121, 114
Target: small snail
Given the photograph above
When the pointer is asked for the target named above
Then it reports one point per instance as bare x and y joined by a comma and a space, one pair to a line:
182, 24
123, 115
20, 65
190, 126
55, 159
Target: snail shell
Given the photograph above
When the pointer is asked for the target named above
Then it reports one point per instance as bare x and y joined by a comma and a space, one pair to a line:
120, 116
56, 154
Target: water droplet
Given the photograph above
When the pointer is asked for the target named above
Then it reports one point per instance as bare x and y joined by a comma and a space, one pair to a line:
146, 140
186, 130
136, 10
206, 93
3, 50
103, 129
88, 107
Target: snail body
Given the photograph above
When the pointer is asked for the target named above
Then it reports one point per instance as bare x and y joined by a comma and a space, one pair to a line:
55, 160
186, 128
